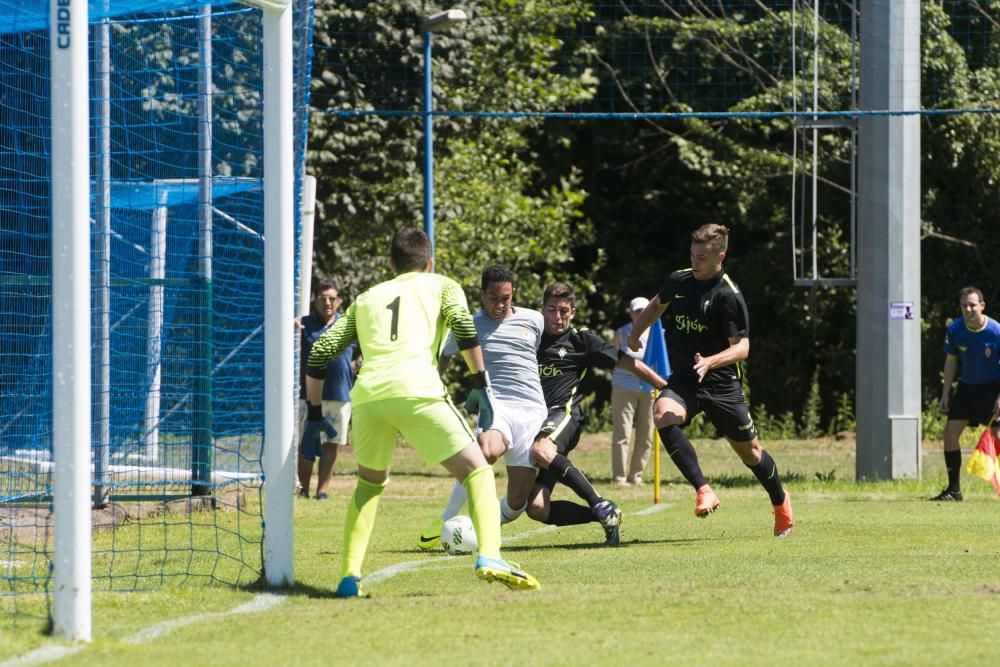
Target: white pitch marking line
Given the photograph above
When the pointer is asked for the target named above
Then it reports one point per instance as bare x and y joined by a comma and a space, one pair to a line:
393, 570
42, 655
262, 602
410, 565
54, 652
652, 509
531, 533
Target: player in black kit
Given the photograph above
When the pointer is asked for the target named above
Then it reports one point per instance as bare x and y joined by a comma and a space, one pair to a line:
564, 357
707, 336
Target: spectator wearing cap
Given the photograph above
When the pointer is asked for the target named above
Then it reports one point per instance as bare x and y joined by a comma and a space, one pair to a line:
631, 405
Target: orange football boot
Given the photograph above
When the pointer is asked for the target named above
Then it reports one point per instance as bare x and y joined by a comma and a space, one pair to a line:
783, 522
705, 502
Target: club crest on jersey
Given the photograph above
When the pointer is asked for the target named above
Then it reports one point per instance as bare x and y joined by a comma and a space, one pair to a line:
704, 307
562, 352
989, 353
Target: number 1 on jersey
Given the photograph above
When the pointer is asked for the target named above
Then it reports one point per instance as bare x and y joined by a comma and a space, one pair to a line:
394, 307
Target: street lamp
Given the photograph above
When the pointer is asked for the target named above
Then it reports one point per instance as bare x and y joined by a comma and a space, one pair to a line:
439, 22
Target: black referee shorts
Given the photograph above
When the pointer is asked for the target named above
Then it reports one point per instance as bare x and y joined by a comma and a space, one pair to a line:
723, 403
974, 402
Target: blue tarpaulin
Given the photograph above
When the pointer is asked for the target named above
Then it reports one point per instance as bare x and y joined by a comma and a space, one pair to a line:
29, 15
146, 196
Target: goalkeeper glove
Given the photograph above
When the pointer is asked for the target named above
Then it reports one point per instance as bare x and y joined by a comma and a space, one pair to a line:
311, 444
481, 400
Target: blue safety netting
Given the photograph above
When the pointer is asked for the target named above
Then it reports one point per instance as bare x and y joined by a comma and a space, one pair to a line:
177, 330
28, 15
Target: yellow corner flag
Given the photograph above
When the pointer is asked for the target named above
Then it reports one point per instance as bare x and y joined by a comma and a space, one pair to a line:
983, 462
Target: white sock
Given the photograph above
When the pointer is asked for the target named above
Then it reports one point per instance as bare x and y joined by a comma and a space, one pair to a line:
508, 514
457, 501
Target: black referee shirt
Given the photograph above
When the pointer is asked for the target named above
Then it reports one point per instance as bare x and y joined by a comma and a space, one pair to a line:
564, 360
701, 317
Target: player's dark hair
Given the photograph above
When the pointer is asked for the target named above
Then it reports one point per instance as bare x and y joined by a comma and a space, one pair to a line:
966, 291
559, 291
411, 250
714, 236
497, 274
323, 286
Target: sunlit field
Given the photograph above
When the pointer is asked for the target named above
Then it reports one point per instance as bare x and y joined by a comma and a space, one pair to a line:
874, 574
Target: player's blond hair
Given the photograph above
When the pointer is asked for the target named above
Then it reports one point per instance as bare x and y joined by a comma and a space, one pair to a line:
716, 237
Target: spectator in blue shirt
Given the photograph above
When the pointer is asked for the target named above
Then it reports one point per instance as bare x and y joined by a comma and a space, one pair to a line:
336, 390
972, 349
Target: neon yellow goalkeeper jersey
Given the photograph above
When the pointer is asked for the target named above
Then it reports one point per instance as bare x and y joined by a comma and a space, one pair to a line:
401, 325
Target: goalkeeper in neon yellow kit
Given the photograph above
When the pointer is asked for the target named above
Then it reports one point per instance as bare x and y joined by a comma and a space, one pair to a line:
401, 325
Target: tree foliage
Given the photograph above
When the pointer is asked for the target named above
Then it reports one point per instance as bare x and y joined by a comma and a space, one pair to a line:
610, 204
493, 203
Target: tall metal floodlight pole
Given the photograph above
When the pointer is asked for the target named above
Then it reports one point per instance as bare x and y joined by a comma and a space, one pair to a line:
888, 354
437, 23
71, 435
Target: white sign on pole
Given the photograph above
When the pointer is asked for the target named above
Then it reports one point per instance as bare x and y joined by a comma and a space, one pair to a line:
901, 310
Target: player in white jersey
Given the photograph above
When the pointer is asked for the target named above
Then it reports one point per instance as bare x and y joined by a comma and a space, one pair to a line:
510, 337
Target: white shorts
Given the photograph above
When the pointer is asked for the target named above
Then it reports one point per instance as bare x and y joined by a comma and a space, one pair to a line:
519, 424
337, 412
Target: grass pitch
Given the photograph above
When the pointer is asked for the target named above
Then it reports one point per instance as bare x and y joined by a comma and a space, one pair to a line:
874, 574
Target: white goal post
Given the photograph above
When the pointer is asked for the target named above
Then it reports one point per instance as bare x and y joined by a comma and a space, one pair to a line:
279, 292
69, 86
71, 393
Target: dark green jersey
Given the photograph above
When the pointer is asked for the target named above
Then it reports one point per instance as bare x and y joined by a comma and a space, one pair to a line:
564, 360
701, 317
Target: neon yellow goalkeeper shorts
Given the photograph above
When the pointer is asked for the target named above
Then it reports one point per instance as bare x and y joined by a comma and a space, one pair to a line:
432, 426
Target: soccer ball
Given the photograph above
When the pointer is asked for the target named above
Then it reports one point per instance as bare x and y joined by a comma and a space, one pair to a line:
458, 536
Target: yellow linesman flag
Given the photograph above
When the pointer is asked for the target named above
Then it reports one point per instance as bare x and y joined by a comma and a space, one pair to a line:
983, 462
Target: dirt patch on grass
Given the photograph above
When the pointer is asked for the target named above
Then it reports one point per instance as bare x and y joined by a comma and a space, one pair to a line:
34, 523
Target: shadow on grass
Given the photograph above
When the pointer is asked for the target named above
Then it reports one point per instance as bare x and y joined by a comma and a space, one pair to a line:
600, 545
597, 544
297, 589
730, 481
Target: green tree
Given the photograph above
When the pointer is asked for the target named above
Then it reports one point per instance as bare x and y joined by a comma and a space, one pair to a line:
610, 204
961, 167
654, 180
493, 204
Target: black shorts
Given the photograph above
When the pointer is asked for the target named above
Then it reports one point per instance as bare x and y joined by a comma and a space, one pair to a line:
723, 403
974, 402
564, 429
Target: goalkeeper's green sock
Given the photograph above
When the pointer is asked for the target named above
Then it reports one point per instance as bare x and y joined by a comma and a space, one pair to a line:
484, 510
359, 524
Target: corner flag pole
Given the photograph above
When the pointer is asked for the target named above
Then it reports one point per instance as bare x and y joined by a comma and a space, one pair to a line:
656, 462
656, 358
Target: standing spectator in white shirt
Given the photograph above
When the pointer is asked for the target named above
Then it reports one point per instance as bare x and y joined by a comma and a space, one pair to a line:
631, 405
